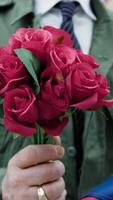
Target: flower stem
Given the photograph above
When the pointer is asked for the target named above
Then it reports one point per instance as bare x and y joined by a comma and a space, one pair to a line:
40, 137
50, 140
33, 140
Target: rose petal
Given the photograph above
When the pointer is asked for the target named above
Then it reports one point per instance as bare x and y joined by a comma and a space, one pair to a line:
54, 127
86, 104
16, 127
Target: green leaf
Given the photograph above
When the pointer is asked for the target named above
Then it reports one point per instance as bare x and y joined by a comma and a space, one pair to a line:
31, 63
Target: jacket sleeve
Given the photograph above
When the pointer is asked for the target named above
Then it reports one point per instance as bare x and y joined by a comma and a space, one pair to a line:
2, 174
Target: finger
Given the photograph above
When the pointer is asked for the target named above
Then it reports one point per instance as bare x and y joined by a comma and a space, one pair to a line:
63, 196
43, 173
36, 154
57, 140
52, 191
55, 189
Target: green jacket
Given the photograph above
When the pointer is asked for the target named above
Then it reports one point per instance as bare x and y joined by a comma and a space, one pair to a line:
98, 131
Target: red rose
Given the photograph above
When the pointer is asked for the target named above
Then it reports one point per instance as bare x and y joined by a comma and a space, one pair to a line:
62, 58
88, 88
16, 39
12, 72
60, 36
50, 118
53, 101
38, 41
55, 126
103, 91
81, 81
20, 111
52, 89
88, 59
6, 50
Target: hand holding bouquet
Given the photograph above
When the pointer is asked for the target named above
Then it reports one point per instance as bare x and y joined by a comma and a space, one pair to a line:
43, 80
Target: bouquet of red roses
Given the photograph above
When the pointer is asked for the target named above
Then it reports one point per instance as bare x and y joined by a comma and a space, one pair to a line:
43, 80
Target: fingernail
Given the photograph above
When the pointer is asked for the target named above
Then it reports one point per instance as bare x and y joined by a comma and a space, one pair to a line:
60, 151
65, 192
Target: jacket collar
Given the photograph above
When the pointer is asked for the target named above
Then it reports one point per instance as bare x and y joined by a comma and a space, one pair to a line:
19, 9
102, 47
6, 3
99, 10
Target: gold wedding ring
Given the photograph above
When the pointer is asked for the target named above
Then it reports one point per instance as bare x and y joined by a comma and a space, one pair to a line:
41, 194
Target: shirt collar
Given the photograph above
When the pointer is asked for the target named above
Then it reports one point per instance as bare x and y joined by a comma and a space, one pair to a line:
41, 7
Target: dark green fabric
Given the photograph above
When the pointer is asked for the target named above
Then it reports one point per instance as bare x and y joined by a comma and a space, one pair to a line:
98, 132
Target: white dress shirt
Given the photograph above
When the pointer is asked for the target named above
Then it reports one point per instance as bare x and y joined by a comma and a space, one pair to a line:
83, 19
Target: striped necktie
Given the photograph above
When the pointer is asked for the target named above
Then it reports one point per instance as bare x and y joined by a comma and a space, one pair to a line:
68, 9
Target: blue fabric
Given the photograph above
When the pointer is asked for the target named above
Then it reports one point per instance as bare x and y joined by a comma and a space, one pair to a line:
67, 10
104, 191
